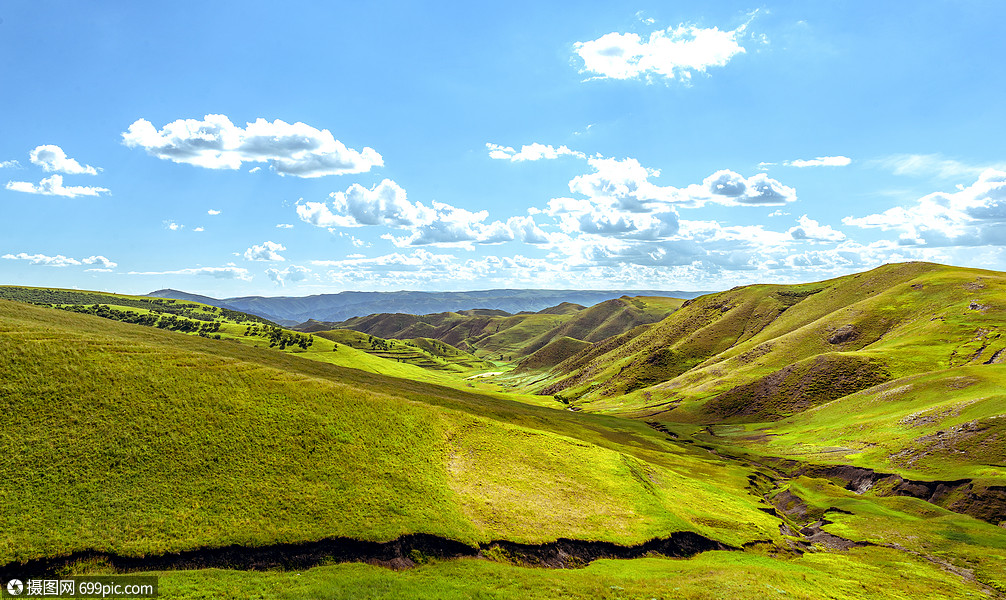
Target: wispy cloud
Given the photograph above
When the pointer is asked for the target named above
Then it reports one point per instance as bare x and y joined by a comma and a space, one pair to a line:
820, 161
61, 261
530, 152
933, 165
228, 272
53, 186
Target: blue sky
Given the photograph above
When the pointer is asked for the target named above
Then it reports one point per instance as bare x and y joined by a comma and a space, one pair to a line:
233, 148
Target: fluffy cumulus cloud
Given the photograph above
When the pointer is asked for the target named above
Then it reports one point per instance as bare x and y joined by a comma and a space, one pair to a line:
626, 185
387, 204
266, 251
227, 272
52, 159
53, 186
100, 262
973, 216
732, 189
820, 161
810, 230
216, 143
10, 164
292, 273
534, 151
384, 204
674, 53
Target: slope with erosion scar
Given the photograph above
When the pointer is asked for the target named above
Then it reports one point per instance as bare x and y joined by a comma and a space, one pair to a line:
133, 441
753, 344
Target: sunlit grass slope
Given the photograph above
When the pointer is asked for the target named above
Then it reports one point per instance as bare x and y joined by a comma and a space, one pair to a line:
766, 351
134, 440
422, 352
488, 334
508, 338
854, 575
948, 424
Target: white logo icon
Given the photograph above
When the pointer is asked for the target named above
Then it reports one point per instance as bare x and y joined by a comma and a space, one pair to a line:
15, 587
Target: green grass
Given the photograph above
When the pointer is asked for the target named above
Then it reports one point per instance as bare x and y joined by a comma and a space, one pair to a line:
134, 440
945, 537
905, 319
948, 424
854, 575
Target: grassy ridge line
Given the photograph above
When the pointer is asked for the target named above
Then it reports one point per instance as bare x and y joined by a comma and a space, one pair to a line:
905, 318
50, 296
126, 440
190, 317
507, 338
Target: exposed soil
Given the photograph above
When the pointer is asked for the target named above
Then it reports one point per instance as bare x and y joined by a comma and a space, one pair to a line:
405, 552
964, 496
798, 387
845, 333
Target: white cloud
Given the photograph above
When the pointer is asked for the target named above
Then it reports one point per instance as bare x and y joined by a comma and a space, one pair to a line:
216, 143
10, 164
284, 226
213, 212
672, 53
732, 189
811, 231
53, 186
355, 241
61, 261
384, 204
627, 182
265, 251
291, 273
778, 213
973, 216
933, 165
173, 226
820, 161
534, 151
198, 229
53, 159
387, 204
228, 272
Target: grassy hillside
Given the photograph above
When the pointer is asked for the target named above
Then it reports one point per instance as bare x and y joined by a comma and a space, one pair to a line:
135, 440
487, 334
764, 352
946, 424
422, 352
599, 322
508, 338
758, 413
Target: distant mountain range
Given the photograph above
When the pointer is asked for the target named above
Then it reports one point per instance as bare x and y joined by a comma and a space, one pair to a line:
288, 311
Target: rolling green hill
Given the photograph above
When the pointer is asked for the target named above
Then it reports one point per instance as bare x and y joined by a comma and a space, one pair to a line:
836, 439
133, 440
506, 338
765, 352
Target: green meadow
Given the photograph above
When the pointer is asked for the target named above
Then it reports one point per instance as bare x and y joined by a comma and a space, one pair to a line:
137, 428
